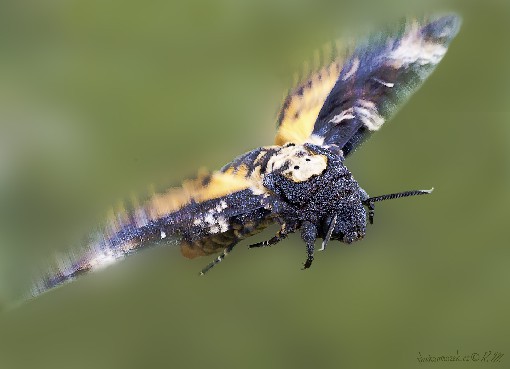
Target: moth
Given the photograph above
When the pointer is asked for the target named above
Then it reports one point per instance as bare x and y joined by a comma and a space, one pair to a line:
301, 182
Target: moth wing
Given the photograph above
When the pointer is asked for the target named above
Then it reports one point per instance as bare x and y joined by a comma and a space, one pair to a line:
303, 102
378, 77
203, 216
375, 79
213, 211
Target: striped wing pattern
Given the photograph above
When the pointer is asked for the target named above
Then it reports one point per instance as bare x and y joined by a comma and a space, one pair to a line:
203, 215
376, 78
303, 102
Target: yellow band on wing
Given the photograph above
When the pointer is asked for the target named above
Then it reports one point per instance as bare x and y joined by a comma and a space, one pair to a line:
205, 187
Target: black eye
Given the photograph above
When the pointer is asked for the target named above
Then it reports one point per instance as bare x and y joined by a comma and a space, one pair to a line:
296, 167
307, 159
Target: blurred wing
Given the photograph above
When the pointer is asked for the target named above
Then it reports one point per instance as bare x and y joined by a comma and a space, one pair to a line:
304, 101
213, 211
377, 77
204, 216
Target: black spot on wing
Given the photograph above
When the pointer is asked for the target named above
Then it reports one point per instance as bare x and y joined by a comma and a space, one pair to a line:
206, 180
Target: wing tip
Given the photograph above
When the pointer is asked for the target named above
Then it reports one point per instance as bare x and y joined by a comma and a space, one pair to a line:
443, 27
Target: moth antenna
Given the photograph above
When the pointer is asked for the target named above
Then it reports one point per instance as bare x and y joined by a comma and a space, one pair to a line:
371, 200
397, 195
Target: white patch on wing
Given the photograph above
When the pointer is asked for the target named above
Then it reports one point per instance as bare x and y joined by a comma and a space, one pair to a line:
223, 224
102, 260
414, 48
367, 112
213, 222
387, 84
354, 68
209, 219
222, 205
346, 114
214, 229
163, 234
316, 140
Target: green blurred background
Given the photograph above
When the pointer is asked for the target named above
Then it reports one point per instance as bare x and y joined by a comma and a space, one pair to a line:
99, 99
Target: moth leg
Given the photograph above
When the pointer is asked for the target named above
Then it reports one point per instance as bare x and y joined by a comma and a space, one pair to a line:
219, 258
309, 235
280, 236
272, 241
330, 232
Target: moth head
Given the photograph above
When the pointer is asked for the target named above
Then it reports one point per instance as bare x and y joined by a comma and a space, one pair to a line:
347, 225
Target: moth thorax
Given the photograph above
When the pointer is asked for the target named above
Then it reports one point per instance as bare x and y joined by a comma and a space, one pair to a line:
297, 164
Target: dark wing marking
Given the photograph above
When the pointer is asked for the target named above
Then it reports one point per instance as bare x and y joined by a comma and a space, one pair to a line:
253, 165
381, 74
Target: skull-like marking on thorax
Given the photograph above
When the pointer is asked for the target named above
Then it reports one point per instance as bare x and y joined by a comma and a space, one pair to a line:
296, 163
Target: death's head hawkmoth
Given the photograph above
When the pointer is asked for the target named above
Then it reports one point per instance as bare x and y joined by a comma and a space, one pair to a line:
300, 182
